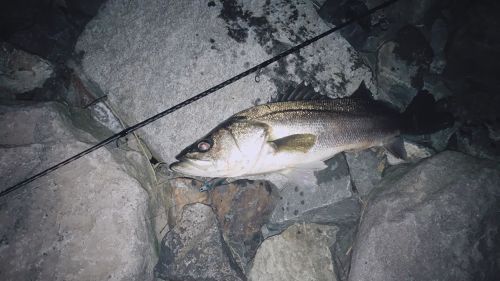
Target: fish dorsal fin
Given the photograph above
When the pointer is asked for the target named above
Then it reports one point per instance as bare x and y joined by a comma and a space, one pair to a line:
295, 143
362, 93
301, 92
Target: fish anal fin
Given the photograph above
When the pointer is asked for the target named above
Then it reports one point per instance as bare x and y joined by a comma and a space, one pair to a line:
313, 166
397, 148
295, 143
300, 177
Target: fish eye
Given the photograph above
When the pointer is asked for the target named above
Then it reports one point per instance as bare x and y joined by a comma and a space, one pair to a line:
204, 145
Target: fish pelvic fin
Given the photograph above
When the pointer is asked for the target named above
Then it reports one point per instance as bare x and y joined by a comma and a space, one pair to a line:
294, 143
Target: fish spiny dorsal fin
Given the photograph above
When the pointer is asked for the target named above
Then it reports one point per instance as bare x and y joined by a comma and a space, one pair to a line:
301, 92
362, 93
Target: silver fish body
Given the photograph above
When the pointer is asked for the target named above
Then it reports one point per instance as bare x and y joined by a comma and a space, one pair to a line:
280, 136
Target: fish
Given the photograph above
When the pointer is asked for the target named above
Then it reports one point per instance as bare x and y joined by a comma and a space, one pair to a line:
295, 133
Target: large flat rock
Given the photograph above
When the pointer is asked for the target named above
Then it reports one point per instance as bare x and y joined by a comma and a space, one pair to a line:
436, 221
331, 200
148, 56
301, 252
88, 220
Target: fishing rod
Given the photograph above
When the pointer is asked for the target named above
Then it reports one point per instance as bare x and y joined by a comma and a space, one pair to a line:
201, 95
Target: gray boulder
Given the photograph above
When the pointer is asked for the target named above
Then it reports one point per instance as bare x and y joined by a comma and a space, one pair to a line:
301, 252
401, 64
148, 56
194, 249
437, 220
366, 169
20, 71
88, 220
331, 201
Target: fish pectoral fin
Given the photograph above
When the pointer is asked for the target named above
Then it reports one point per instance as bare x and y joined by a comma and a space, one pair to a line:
294, 143
300, 177
397, 148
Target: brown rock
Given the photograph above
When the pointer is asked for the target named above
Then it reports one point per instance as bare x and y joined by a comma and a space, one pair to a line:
185, 191
194, 249
242, 208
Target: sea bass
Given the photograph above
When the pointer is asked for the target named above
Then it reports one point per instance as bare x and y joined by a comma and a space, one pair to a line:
289, 135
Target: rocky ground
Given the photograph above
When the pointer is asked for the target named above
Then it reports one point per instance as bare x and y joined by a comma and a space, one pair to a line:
73, 74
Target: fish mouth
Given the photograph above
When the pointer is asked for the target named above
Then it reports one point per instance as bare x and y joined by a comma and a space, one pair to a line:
189, 166
174, 166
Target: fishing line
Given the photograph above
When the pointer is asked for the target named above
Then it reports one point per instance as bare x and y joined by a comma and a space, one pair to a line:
178, 106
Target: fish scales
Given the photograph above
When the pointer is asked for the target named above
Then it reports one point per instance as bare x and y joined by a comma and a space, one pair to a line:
278, 136
336, 123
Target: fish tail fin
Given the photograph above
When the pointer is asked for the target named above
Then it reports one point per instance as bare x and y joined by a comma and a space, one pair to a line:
423, 117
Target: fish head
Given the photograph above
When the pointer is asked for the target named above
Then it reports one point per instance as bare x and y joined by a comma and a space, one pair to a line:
227, 151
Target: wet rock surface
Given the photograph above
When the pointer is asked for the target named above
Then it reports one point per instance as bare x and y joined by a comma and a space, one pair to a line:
401, 64
432, 217
150, 57
185, 191
46, 28
332, 201
301, 252
20, 71
194, 249
365, 168
242, 208
437, 221
88, 221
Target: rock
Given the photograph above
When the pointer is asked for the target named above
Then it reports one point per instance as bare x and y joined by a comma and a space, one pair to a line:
148, 57
438, 141
494, 130
439, 37
80, 91
370, 32
342, 250
437, 220
473, 52
46, 28
475, 141
194, 249
301, 252
89, 8
366, 169
333, 201
436, 86
401, 65
242, 208
338, 12
20, 71
185, 191
88, 220
414, 152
